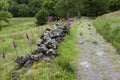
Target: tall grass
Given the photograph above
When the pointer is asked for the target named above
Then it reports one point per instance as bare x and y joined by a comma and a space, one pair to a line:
108, 25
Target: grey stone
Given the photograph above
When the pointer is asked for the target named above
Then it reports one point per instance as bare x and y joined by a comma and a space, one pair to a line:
47, 59
39, 42
37, 57
22, 59
51, 43
41, 49
52, 56
51, 52
29, 63
95, 42
59, 39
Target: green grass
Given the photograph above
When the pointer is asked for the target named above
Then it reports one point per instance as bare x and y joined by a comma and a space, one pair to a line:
109, 26
18, 24
61, 68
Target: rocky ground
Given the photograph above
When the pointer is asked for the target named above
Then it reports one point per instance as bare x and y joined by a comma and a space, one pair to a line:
98, 59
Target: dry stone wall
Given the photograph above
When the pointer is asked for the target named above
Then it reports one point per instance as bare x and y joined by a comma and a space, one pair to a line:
46, 48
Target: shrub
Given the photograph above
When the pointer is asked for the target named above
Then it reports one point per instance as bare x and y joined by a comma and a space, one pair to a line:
41, 17
4, 17
23, 10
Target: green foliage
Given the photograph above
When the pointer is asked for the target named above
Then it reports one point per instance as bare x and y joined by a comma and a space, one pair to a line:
94, 7
49, 5
13, 8
64, 7
3, 5
23, 10
4, 14
35, 6
109, 26
22, 1
114, 5
41, 17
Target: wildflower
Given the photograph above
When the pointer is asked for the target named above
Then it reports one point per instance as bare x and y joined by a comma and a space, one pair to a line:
27, 36
69, 23
49, 19
68, 16
3, 55
14, 45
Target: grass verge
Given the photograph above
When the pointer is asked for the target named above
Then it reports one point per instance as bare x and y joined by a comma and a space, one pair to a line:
108, 26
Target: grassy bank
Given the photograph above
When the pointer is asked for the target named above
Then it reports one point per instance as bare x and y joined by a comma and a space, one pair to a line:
108, 25
61, 68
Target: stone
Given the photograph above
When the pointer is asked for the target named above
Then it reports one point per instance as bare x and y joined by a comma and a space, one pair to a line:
51, 43
51, 52
47, 37
39, 42
52, 56
47, 59
41, 49
89, 24
29, 63
22, 59
37, 57
54, 34
46, 46
81, 34
59, 39
95, 42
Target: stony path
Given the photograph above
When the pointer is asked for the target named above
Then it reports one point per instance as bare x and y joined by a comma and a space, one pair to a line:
97, 60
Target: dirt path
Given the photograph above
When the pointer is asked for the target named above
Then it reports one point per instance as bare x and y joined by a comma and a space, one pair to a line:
98, 60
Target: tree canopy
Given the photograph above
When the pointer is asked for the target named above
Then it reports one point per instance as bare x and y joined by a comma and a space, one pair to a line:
60, 7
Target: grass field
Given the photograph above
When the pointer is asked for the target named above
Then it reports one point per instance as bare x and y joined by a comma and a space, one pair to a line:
61, 68
18, 24
108, 25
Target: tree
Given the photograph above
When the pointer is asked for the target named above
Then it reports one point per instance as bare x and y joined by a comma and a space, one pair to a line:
49, 5
64, 7
41, 17
21, 1
23, 10
114, 5
13, 8
4, 14
35, 6
3, 5
94, 7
